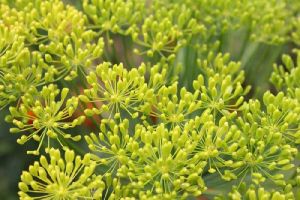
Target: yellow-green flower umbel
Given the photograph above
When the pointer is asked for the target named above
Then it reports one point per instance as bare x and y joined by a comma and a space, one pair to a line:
61, 178
45, 117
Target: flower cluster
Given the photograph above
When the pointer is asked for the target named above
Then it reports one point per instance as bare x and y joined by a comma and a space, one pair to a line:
171, 112
157, 161
257, 193
21, 70
45, 117
220, 85
115, 16
68, 177
115, 89
288, 81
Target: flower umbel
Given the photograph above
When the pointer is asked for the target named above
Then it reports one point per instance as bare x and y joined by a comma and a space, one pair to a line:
116, 89
45, 117
58, 178
165, 86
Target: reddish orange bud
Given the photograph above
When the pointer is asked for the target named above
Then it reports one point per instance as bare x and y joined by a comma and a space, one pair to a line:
90, 123
32, 116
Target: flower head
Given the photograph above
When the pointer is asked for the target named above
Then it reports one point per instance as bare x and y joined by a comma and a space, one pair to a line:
21, 70
220, 85
58, 177
256, 193
286, 77
269, 139
116, 16
116, 89
45, 117
154, 161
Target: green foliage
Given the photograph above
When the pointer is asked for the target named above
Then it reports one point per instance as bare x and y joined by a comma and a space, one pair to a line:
170, 112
